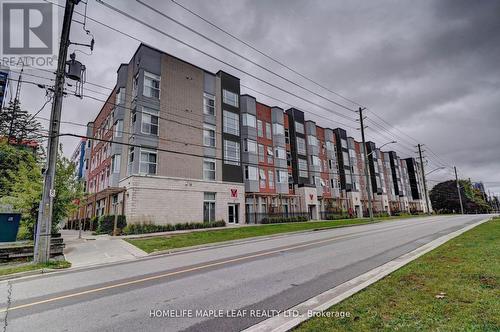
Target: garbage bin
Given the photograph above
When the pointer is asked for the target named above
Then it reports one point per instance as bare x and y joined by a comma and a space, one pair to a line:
9, 226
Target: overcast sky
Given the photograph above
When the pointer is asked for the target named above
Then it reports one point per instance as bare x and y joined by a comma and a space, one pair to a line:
429, 68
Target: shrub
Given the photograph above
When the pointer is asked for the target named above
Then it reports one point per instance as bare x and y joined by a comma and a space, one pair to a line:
24, 233
147, 227
280, 220
94, 223
106, 224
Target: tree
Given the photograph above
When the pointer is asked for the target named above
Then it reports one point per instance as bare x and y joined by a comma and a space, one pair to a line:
444, 198
68, 190
21, 184
17, 124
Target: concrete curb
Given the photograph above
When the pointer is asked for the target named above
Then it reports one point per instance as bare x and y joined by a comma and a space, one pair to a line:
29, 273
337, 294
258, 238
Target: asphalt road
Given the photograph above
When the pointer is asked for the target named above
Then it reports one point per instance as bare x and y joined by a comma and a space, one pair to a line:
243, 281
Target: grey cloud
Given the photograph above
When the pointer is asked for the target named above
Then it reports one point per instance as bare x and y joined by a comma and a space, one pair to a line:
428, 67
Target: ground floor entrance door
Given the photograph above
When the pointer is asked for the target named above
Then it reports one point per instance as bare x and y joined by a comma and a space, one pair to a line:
233, 215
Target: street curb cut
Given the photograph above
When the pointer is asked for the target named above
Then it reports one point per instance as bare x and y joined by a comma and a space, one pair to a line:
339, 293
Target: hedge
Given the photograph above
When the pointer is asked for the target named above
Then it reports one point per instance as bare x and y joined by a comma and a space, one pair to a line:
280, 220
106, 224
146, 227
334, 216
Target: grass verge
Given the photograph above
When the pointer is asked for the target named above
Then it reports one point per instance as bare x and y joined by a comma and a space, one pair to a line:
173, 241
452, 288
30, 267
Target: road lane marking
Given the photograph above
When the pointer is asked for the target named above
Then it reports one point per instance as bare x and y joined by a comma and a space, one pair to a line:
160, 276
196, 268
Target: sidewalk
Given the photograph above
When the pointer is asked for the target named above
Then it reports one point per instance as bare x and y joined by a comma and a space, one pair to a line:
97, 249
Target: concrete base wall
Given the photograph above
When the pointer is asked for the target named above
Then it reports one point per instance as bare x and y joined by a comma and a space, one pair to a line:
165, 200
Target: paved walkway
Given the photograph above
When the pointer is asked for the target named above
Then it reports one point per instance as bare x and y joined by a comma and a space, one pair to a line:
97, 249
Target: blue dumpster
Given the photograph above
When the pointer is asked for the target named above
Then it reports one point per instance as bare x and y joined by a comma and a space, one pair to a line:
9, 226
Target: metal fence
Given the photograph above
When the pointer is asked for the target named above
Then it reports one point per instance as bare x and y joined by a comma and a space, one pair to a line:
256, 218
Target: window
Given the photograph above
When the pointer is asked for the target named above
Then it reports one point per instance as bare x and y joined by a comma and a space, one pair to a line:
147, 163
346, 158
271, 178
115, 163
209, 169
133, 118
348, 178
208, 104
268, 131
288, 159
231, 153
343, 142
208, 207
260, 130
332, 183
135, 85
312, 140
249, 120
250, 173
280, 153
299, 127
130, 160
118, 128
230, 98
330, 146
261, 153
278, 129
262, 177
209, 135
151, 85
287, 136
301, 146
250, 146
149, 121
315, 161
231, 123
270, 155
120, 96
302, 168
281, 176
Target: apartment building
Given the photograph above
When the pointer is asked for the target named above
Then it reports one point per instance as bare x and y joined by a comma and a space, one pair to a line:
78, 159
177, 143
179, 129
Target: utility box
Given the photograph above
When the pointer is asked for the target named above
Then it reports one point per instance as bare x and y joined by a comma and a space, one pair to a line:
9, 226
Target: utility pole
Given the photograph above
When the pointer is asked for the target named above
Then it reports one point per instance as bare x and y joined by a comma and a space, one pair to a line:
458, 188
423, 178
367, 168
44, 224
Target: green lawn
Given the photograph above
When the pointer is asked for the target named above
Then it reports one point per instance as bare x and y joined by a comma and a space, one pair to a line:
5, 270
196, 238
465, 270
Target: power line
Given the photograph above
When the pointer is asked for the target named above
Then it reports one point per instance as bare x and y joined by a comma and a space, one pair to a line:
264, 54
186, 44
217, 59
231, 51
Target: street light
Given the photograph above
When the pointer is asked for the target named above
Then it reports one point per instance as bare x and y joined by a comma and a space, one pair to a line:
391, 142
437, 169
